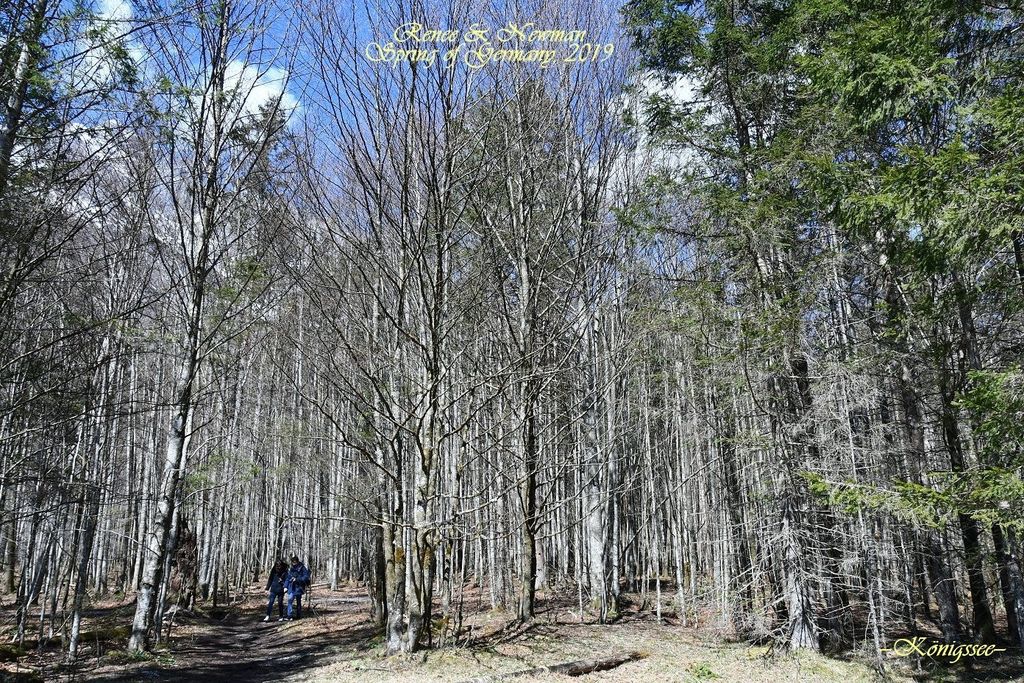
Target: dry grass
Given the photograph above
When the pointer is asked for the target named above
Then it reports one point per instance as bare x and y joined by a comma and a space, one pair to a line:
339, 644
674, 654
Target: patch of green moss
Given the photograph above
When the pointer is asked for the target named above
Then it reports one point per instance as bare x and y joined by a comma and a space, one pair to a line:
106, 634
128, 657
10, 652
21, 677
702, 672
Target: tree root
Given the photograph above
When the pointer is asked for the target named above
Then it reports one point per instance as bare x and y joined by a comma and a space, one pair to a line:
580, 667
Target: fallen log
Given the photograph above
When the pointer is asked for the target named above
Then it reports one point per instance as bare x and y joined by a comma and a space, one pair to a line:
580, 667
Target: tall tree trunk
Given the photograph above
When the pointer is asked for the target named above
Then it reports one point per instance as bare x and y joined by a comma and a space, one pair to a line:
157, 548
1012, 597
1015, 576
970, 532
92, 504
802, 629
15, 104
528, 496
944, 588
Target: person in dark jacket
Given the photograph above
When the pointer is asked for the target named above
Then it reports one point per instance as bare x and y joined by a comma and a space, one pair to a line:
275, 589
296, 584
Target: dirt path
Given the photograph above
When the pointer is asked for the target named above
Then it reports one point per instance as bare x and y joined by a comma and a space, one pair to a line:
337, 643
240, 647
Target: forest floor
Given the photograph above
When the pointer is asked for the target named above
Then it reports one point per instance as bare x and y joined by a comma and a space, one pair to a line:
337, 642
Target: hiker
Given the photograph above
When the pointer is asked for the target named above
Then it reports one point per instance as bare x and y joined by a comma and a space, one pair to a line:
296, 584
275, 588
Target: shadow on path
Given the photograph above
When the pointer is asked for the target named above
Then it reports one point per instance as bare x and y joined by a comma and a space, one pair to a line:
241, 647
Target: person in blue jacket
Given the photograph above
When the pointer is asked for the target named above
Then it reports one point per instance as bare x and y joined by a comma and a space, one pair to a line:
275, 589
296, 584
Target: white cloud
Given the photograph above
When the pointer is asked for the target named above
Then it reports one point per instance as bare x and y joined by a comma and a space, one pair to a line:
649, 154
112, 18
256, 87
114, 10
681, 91
248, 89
